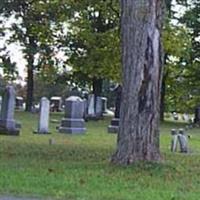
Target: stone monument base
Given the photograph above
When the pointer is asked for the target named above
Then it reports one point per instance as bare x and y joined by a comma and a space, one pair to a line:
9, 127
114, 126
94, 117
72, 126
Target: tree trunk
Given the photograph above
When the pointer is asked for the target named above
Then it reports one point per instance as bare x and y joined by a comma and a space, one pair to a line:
138, 137
163, 90
97, 86
30, 87
97, 89
31, 51
162, 100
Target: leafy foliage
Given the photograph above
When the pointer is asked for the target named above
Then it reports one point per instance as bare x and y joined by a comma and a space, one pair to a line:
93, 40
36, 31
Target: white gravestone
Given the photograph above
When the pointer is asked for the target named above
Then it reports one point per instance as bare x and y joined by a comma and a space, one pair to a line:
174, 140
91, 111
43, 125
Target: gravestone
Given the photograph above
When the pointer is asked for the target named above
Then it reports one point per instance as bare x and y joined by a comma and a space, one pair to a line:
186, 117
99, 107
104, 104
181, 138
174, 140
7, 123
175, 116
95, 106
19, 103
91, 109
183, 142
56, 104
43, 125
73, 122
114, 126
197, 115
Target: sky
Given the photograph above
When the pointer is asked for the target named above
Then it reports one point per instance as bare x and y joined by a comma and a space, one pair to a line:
16, 53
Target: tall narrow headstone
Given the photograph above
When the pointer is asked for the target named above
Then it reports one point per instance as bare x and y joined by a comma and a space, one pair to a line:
174, 140
43, 125
99, 108
7, 123
183, 141
73, 122
95, 107
104, 104
91, 109
197, 115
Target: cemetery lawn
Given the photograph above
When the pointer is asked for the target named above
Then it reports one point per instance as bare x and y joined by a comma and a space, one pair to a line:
78, 167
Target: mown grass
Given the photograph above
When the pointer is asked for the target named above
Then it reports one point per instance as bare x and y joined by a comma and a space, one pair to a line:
78, 167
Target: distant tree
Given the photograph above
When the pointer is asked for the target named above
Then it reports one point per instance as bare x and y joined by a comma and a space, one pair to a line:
93, 42
8, 67
138, 137
58, 85
191, 77
176, 42
35, 30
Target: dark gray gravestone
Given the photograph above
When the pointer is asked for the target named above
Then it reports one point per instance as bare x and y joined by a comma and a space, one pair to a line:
43, 125
85, 113
174, 141
114, 126
7, 123
197, 115
99, 107
56, 104
73, 122
183, 142
19, 103
104, 104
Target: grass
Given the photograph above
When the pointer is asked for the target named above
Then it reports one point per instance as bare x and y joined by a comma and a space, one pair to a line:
78, 167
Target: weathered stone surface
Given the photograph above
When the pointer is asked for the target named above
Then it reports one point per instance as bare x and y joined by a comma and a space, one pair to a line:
56, 104
43, 125
8, 124
95, 107
73, 122
183, 142
114, 126
174, 140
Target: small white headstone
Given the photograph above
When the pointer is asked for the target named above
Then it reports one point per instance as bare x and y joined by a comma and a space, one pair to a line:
43, 126
91, 110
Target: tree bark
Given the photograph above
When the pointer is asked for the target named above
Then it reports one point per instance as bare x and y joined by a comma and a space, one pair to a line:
97, 89
31, 51
138, 137
162, 100
30, 89
97, 86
